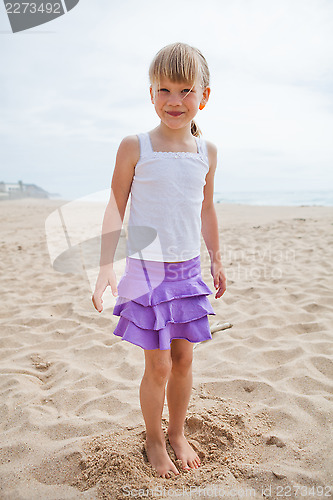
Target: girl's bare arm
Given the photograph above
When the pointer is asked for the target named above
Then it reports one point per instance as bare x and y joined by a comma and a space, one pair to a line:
209, 225
127, 157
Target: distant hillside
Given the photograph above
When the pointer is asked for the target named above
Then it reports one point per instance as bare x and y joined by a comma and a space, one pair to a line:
14, 190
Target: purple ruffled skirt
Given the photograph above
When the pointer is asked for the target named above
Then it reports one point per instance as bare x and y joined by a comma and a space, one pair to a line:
161, 301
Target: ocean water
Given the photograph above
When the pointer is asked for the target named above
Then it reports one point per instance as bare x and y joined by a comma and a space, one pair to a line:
272, 198
278, 198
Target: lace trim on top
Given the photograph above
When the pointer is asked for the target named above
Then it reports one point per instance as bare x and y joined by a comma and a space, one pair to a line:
176, 154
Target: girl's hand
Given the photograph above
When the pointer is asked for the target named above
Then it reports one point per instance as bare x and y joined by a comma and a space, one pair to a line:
220, 280
106, 277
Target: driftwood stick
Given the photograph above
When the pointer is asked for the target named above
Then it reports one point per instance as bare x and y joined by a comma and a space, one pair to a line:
216, 327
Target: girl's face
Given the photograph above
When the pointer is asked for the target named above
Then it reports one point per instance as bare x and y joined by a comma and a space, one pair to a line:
177, 103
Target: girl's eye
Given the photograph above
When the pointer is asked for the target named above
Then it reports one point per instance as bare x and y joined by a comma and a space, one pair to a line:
163, 90
187, 90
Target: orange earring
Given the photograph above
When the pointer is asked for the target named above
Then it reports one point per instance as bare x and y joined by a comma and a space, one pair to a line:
202, 105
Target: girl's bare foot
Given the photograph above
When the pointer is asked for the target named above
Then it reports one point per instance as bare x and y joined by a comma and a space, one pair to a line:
159, 458
184, 451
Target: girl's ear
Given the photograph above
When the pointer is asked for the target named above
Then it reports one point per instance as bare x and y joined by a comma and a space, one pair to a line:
151, 94
205, 97
206, 93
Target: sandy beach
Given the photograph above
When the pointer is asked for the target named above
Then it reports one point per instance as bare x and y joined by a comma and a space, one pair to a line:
261, 410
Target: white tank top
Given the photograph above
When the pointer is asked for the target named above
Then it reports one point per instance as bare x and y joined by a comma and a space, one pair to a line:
166, 200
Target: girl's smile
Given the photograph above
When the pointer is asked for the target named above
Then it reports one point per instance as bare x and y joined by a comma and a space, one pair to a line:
175, 113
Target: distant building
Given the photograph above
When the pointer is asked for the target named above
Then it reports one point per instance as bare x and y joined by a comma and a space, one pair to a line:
11, 190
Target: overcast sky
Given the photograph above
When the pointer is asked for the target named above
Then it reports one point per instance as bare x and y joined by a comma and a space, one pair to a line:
71, 89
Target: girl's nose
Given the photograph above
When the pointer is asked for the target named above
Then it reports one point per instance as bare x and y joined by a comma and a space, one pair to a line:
174, 99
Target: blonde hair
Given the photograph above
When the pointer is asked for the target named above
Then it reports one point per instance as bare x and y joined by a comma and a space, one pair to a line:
180, 62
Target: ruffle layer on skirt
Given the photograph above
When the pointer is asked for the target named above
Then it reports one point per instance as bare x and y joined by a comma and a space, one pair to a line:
131, 289
194, 331
157, 317
174, 309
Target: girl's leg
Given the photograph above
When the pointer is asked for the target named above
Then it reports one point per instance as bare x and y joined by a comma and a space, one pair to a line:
178, 395
152, 395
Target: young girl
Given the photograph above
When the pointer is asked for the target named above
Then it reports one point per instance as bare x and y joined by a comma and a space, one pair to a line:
162, 300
